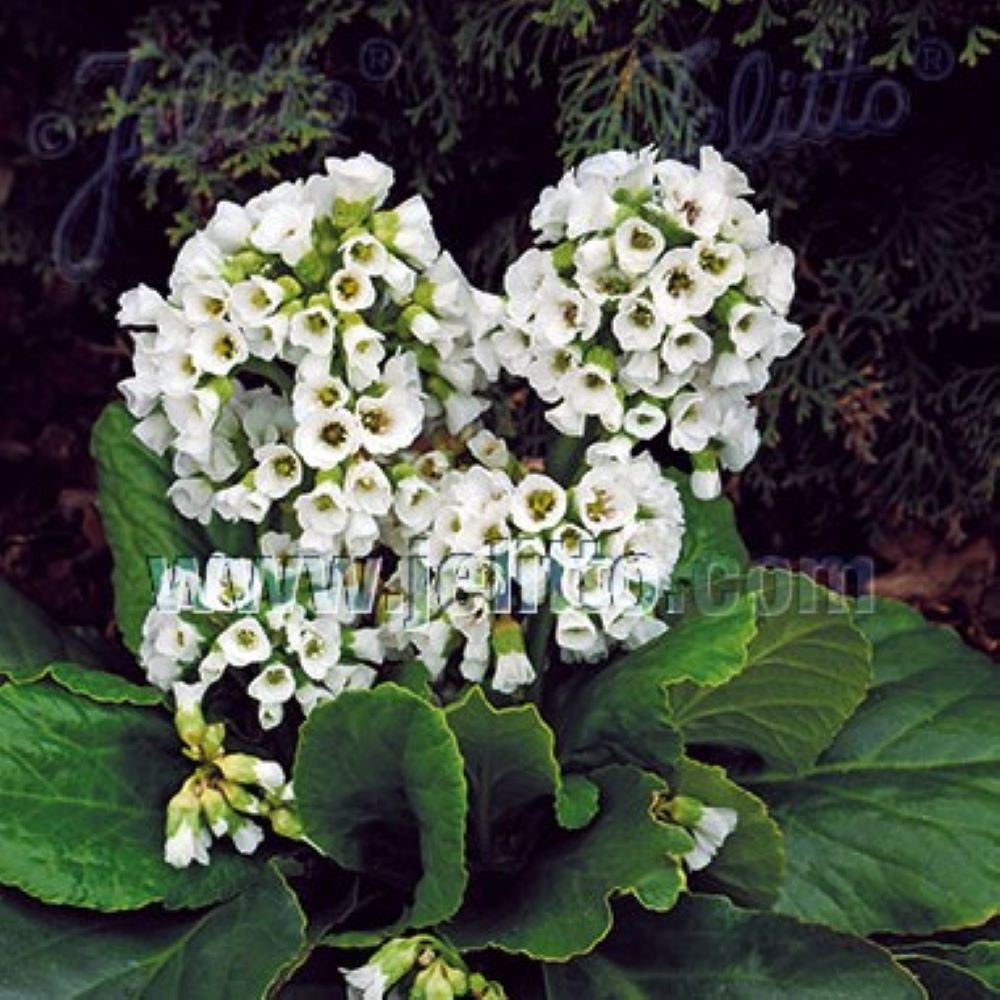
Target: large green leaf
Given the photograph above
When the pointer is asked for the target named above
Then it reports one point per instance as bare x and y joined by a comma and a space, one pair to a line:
30, 640
141, 523
380, 787
898, 827
511, 766
707, 948
712, 546
751, 864
808, 669
83, 792
232, 952
621, 711
557, 904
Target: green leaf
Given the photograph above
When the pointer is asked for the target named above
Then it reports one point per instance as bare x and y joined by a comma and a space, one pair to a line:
750, 866
511, 766
620, 713
557, 904
712, 545
83, 793
808, 669
577, 801
898, 827
979, 960
380, 788
707, 948
30, 640
232, 952
100, 686
140, 522
944, 980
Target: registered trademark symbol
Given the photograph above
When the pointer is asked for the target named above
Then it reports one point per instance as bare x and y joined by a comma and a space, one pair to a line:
933, 59
379, 60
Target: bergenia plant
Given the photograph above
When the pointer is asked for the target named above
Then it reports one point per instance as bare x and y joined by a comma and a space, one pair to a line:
412, 701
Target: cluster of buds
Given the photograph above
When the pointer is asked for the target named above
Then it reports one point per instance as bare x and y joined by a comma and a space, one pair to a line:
420, 968
226, 794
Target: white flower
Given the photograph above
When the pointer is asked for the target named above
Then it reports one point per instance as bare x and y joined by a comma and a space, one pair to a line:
576, 631
524, 280
638, 324
637, 245
193, 498
360, 178
313, 329
365, 354
724, 263
274, 685
278, 471
188, 843
285, 228
685, 345
218, 347
564, 315
706, 483
325, 439
488, 449
247, 837
771, 276
644, 421
409, 232
461, 409
314, 393
367, 488
368, 982
388, 423
415, 503
710, 833
365, 253
323, 511
244, 642
513, 670
351, 289
205, 301
751, 328
680, 288
591, 390
694, 420
229, 228
603, 500
538, 504
317, 644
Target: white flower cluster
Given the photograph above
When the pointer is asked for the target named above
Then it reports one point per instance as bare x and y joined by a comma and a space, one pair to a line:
308, 337
655, 298
497, 542
477, 549
282, 654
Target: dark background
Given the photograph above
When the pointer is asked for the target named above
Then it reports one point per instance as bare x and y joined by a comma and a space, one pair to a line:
122, 123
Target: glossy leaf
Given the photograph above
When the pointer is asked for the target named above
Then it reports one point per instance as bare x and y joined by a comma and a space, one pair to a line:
708, 949
232, 952
141, 523
380, 787
898, 826
808, 669
620, 713
83, 791
557, 904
